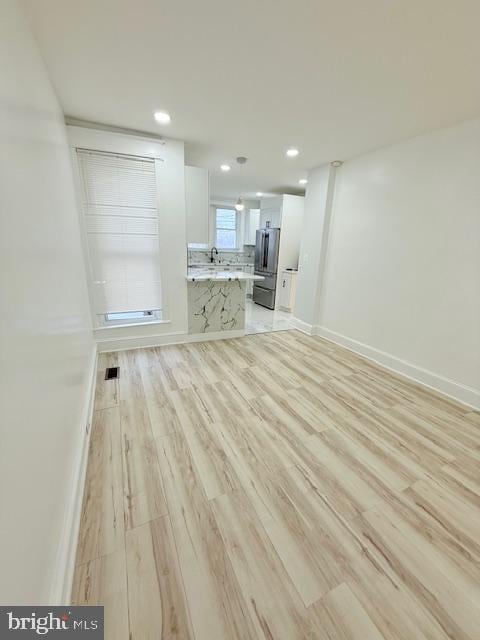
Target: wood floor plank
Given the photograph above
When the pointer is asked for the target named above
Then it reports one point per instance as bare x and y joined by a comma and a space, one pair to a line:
158, 609
143, 491
345, 474
446, 509
416, 392
189, 408
379, 467
372, 391
394, 609
162, 414
106, 391
452, 597
355, 395
252, 383
432, 452
328, 366
263, 445
130, 379
135, 419
278, 411
311, 538
407, 449
273, 604
473, 417
103, 581
102, 514
253, 470
152, 374
454, 433
169, 356
340, 615
278, 487
330, 411
142, 482
214, 469
216, 605
374, 451
464, 474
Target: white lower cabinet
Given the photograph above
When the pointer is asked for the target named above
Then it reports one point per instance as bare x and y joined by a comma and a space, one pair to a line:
286, 290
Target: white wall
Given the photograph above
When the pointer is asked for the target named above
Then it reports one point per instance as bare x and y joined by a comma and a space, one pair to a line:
46, 342
317, 210
403, 265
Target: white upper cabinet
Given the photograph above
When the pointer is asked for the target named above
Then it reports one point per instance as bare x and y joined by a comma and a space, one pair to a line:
252, 223
271, 212
197, 203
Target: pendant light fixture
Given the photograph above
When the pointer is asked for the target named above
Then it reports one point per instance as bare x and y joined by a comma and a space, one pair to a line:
240, 206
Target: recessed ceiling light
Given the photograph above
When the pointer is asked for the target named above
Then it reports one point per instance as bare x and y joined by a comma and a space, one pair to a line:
303, 181
225, 167
162, 117
291, 153
259, 194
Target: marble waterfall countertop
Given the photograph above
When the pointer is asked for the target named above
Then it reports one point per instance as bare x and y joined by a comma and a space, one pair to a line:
218, 265
216, 298
199, 275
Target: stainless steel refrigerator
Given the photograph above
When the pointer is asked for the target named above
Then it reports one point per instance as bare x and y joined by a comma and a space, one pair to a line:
266, 261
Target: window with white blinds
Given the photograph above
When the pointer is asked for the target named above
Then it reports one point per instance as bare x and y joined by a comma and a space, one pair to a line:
121, 222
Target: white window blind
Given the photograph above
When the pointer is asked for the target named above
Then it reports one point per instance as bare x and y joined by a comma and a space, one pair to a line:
121, 221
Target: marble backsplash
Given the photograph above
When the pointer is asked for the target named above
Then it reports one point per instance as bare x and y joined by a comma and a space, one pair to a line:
247, 256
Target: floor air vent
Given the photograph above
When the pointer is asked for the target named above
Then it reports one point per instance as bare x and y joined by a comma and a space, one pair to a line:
111, 373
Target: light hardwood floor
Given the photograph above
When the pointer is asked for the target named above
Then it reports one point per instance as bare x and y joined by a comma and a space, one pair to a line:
278, 487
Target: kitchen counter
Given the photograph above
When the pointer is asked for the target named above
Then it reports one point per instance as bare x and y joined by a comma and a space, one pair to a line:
220, 276
219, 265
216, 300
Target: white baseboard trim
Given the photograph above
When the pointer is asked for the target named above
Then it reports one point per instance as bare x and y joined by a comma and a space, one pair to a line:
180, 337
215, 335
455, 390
302, 326
63, 578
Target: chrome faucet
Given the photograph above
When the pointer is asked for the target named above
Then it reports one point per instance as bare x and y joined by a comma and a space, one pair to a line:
212, 259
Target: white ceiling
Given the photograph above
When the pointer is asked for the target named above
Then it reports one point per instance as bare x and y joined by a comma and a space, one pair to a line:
253, 77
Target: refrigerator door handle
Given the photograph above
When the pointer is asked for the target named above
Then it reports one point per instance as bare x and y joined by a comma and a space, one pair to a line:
266, 239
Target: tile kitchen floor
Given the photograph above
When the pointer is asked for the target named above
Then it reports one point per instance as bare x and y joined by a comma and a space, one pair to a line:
261, 320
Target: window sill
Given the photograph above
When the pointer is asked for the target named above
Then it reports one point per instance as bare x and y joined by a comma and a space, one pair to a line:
131, 324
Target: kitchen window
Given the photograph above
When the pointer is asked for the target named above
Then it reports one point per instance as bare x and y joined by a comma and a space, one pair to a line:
120, 213
226, 228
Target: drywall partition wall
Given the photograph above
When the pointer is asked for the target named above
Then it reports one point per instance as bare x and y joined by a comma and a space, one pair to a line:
47, 351
172, 231
293, 209
312, 254
403, 266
